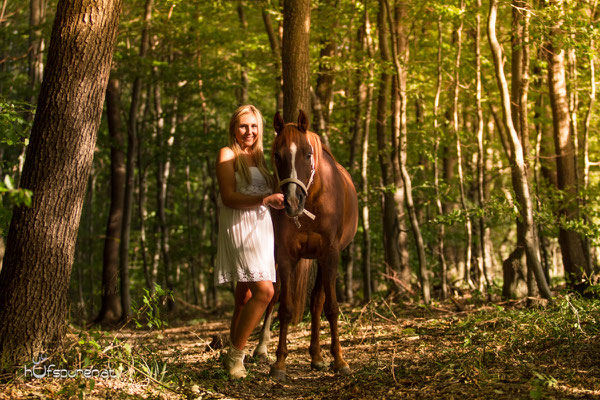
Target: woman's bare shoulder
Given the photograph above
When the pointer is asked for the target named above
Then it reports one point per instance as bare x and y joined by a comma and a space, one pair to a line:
225, 154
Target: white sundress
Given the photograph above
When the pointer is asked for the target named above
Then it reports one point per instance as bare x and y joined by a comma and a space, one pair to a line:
245, 250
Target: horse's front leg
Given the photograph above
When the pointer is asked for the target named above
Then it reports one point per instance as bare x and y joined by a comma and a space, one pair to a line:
316, 308
261, 352
286, 308
328, 267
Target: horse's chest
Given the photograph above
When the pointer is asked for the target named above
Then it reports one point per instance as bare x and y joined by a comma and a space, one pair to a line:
310, 244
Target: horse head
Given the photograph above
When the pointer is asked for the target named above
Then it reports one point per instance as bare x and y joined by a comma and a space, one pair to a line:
294, 161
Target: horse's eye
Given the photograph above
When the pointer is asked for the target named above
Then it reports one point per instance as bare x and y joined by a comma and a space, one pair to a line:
309, 156
277, 157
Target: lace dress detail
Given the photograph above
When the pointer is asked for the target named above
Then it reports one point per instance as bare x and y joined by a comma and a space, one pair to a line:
245, 251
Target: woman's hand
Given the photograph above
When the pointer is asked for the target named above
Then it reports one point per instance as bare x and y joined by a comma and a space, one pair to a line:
274, 200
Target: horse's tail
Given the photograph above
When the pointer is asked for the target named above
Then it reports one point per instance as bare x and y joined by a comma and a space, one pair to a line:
300, 279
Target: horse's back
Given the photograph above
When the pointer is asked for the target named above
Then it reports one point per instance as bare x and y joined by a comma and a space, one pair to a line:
350, 208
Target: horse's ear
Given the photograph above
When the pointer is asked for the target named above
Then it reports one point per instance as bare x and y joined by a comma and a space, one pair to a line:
302, 121
278, 123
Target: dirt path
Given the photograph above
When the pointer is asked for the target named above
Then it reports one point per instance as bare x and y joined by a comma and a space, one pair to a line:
394, 351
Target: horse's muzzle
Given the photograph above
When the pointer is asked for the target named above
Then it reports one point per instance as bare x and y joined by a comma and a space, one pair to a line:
293, 200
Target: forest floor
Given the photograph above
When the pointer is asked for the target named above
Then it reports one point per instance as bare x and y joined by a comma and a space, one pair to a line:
487, 350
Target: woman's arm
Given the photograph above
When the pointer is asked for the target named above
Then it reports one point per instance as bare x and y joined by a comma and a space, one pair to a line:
226, 179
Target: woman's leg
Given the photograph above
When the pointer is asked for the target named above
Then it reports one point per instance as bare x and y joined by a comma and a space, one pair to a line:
241, 296
250, 313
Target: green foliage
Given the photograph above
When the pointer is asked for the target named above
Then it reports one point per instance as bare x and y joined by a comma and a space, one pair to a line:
148, 314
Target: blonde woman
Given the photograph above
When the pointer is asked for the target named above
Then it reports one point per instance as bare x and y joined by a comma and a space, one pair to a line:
245, 251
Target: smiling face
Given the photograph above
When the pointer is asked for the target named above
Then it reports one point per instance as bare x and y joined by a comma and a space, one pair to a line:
246, 132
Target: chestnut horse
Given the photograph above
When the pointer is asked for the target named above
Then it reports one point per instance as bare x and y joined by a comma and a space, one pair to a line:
319, 220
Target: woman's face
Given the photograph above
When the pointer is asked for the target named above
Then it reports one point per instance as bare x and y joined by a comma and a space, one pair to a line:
247, 131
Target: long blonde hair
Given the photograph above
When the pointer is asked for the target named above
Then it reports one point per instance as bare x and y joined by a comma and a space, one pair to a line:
257, 147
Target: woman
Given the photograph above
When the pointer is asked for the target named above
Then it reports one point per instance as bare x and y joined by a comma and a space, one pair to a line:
246, 246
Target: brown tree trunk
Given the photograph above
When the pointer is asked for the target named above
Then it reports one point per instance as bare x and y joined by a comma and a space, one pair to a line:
438, 201
396, 257
163, 170
459, 162
400, 53
130, 168
482, 264
41, 239
296, 58
325, 77
243, 89
366, 248
276, 52
571, 243
517, 161
110, 310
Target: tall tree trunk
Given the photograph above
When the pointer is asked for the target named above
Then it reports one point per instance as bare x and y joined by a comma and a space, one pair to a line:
456, 129
517, 161
586, 129
400, 53
163, 167
436, 129
571, 243
325, 77
482, 264
41, 239
296, 58
130, 168
243, 89
110, 310
366, 249
395, 257
276, 52
190, 237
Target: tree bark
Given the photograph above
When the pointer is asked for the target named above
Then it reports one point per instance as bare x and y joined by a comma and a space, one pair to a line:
276, 52
130, 168
436, 131
482, 260
41, 240
517, 161
296, 58
396, 255
243, 89
571, 243
110, 309
400, 52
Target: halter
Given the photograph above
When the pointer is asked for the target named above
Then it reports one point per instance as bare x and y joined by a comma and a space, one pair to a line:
302, 186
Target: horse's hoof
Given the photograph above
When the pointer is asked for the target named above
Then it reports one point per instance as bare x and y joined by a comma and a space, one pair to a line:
344, 371
318, 365
277, 374
262, 358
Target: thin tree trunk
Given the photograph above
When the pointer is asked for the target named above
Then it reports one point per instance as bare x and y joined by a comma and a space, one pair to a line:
481, 262
130, 169
400, 53
393, 236
517, 161
455, 127
35, 277
436, 131
276, 52
366, 249
110, 310
243, 89
586, 129
163, 169
571, 243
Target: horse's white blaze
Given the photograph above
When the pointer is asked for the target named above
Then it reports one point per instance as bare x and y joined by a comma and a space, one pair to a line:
293, 174
293, 150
